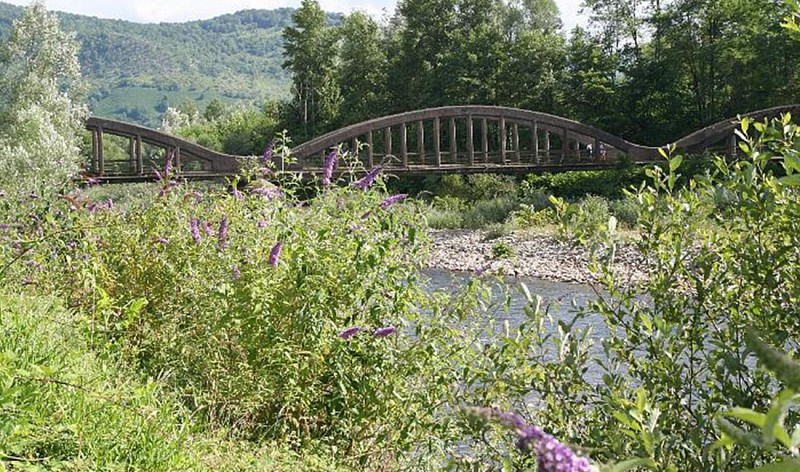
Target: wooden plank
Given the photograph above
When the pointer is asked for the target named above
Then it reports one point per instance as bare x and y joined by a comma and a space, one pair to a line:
139, 155
564, 144
453, 142
437, 137
515, 139
547, 145
733, 146
387, 142
131, 155
502, 139
101, 161
177, 160
95, 158
370, 151
421, 141
535, 141
470, 143
595, 149
404, 144
485, 140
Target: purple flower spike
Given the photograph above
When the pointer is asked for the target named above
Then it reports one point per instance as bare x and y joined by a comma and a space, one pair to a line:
163, 240
366, 181
208, 229
327, 170
267, 156
275, 254
267, 193
168, 165
383, 332
261, 224
350, 332
236, 272
195, 228
389, 201
222, 234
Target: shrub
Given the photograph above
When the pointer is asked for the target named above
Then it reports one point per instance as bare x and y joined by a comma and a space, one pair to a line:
502, 250
487, 212
594, 210
626, 210
495, 231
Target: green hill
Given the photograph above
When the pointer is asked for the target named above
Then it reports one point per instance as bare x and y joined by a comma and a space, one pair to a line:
136, 70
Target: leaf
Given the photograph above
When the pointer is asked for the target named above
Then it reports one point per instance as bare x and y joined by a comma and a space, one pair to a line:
789, 465
784, 367
630, 464
773, 426
675, 162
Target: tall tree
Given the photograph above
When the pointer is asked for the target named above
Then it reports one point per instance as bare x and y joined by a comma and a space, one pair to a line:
310, 53
41, 115
362, 69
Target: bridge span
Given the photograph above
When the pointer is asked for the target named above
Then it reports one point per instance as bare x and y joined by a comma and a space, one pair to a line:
456, 139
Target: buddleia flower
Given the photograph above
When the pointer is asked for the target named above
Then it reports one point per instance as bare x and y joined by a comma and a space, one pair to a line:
383, 332
194, 226
364, 182
350, 332
222, 234
389, 201
236, 272
267, 156
327, 169
275, 254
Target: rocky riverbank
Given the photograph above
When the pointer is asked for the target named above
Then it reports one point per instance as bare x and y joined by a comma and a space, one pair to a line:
535, 255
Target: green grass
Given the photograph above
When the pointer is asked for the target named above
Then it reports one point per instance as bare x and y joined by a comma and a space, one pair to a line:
64, 407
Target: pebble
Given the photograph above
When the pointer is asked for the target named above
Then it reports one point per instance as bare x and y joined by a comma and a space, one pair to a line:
536, 255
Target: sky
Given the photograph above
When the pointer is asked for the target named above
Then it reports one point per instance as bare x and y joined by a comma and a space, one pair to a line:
155, 11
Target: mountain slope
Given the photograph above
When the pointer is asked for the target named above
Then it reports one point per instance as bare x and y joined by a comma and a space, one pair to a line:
136, 70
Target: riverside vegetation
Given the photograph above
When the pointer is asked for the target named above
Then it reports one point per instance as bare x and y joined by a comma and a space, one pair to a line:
251, 329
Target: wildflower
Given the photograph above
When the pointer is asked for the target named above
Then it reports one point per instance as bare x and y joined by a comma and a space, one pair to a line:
327, 170
236, 272
552, 455
6, 226
275, 254
196, 195
364, 182
91, 207
261, 224
267, 156
109, 204
168, 165
389, 201
92, 181
208, 229
268, 193
163, 240
195, 228
236, 193
350, 332
383, 332
222, 234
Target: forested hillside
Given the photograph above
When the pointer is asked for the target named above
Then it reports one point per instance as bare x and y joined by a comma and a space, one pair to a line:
136, 70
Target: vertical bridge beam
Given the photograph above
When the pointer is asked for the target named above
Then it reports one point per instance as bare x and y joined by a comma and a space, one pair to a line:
485, 140
437, 137
370, 151
453, 142
502, 140
421, 142
515, 138
535, 142
404, 144
470, 142
387, 142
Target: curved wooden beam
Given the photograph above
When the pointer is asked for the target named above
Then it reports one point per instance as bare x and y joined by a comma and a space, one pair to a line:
543, 120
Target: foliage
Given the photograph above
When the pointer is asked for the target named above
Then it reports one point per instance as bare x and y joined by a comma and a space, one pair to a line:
65, 407
608, 183
40, 115
502, 250
675, 354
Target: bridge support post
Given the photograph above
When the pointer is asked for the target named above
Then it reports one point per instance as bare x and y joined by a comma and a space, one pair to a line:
453, 142
421, 141
564, 145
547, 146
595, 150
139, 156
515, 139
437, 139
132, 162
404, 144
733, 147
503, 140
370, 151
387, 141
95, 160
101, 161
535, 142
177, 159
470, 143
485, 140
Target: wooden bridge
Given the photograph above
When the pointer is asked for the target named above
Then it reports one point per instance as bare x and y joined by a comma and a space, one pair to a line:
474, 139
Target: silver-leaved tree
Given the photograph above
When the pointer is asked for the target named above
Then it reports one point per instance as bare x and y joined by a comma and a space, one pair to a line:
41, 113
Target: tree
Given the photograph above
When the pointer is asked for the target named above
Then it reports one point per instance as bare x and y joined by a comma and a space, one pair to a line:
362, 70
310, 52
41, 116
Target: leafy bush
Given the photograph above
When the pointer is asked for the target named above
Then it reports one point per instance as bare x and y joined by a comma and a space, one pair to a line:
528, 217
626, 210
594, 210
486, 212
502, 250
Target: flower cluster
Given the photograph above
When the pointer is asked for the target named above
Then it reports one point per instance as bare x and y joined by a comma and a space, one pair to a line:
378, 333
275, 254
327, 169
552, 455
364, 182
